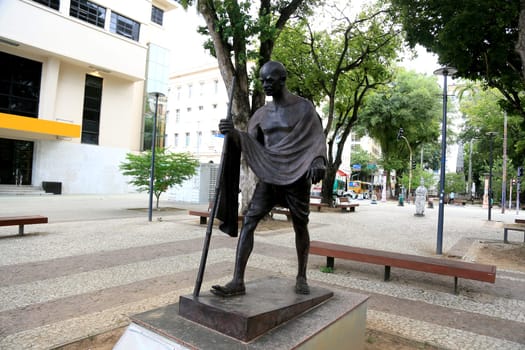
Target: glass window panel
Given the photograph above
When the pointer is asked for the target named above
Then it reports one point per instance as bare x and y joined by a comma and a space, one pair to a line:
20, 85
88, 11
54, 4
157, 15
124, 26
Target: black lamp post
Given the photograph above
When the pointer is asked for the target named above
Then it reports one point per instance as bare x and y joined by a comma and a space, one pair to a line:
491, 135
153, 144
445, 72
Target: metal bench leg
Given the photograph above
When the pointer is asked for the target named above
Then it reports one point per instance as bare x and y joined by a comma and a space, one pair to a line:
203, 220
21, 230
387, 273
330, 262
505, 234
456, 291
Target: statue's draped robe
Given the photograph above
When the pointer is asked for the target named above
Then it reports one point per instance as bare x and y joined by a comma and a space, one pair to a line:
279, 164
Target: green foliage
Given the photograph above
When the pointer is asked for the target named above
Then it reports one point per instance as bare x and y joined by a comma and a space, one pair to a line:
410, 103
479, 38
455, 183
327, 269
170, 169
428, 178
339, 66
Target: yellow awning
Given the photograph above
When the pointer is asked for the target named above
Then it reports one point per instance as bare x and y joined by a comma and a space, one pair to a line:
39, 126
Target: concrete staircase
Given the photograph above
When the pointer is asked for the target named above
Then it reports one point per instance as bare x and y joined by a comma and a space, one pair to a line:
14, 190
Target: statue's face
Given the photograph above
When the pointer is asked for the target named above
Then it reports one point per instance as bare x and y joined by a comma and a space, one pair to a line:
272, 80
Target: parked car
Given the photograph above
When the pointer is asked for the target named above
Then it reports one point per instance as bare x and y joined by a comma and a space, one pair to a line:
350, 194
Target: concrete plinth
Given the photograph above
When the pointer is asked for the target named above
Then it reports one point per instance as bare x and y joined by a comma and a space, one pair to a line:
337, 323
268, 303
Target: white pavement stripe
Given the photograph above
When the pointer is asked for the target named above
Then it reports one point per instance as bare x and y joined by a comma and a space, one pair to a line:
72, 239
440, 336
21, 295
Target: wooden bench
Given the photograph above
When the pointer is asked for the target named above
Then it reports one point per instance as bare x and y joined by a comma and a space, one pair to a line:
512, 227
519, 221
315, 202
458, 269
21, 221
283, 211
318, 206
204, 215
345, 205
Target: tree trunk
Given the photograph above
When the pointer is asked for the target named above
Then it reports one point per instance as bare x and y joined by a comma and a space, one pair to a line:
520, 45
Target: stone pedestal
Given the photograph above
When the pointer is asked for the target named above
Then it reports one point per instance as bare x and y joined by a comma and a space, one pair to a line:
338, 322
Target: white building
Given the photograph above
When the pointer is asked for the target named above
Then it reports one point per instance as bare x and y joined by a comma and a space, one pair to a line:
197, 101
74, 75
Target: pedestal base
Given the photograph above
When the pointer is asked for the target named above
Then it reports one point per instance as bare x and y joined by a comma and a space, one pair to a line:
267, 303
338, 323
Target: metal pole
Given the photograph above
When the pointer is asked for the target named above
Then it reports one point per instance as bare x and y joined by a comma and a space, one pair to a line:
470, 172
152, 169
504, 173
510, 194
445, 72
409, 168
491, 161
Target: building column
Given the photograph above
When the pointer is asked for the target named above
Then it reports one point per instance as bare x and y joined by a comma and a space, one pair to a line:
48, 89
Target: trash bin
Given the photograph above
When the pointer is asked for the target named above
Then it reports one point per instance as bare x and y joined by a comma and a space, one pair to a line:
52, 187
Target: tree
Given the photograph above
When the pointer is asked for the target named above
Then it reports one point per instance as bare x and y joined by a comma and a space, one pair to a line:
483, 40
238, 32
339, 65
170, 169
455, 183
411, 102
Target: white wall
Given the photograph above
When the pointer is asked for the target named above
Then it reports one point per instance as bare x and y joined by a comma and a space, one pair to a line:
81, 168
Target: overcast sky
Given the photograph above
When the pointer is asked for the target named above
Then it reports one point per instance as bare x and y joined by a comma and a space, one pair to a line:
188, 53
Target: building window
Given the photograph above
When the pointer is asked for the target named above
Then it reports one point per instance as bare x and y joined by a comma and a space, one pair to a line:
199, 139
201, 88
179, 90
214, 106
188, 109
176, 140
91, 113
187, 143
54, 4
157, 15
215, 86
124, 26
189, 90
88, 11
177, 116
19, 85
201, 108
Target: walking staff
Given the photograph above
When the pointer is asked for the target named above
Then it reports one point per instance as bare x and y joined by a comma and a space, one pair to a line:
213, 212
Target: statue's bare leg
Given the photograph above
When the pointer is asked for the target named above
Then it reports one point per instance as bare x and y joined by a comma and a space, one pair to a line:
302, 246
244, 249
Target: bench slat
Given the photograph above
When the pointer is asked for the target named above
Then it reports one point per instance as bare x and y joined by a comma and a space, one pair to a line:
463, 269
22, 220
203, 215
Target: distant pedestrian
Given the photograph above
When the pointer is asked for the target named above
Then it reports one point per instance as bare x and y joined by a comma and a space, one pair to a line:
451, 198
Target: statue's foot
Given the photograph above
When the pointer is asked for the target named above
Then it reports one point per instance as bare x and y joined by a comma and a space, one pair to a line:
230, 289
301, 287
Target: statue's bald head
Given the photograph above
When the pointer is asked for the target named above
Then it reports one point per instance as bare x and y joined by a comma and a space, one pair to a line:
274, 67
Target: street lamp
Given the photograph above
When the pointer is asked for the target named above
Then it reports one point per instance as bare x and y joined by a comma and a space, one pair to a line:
491, 135
400, 135
156, 95
445, 72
